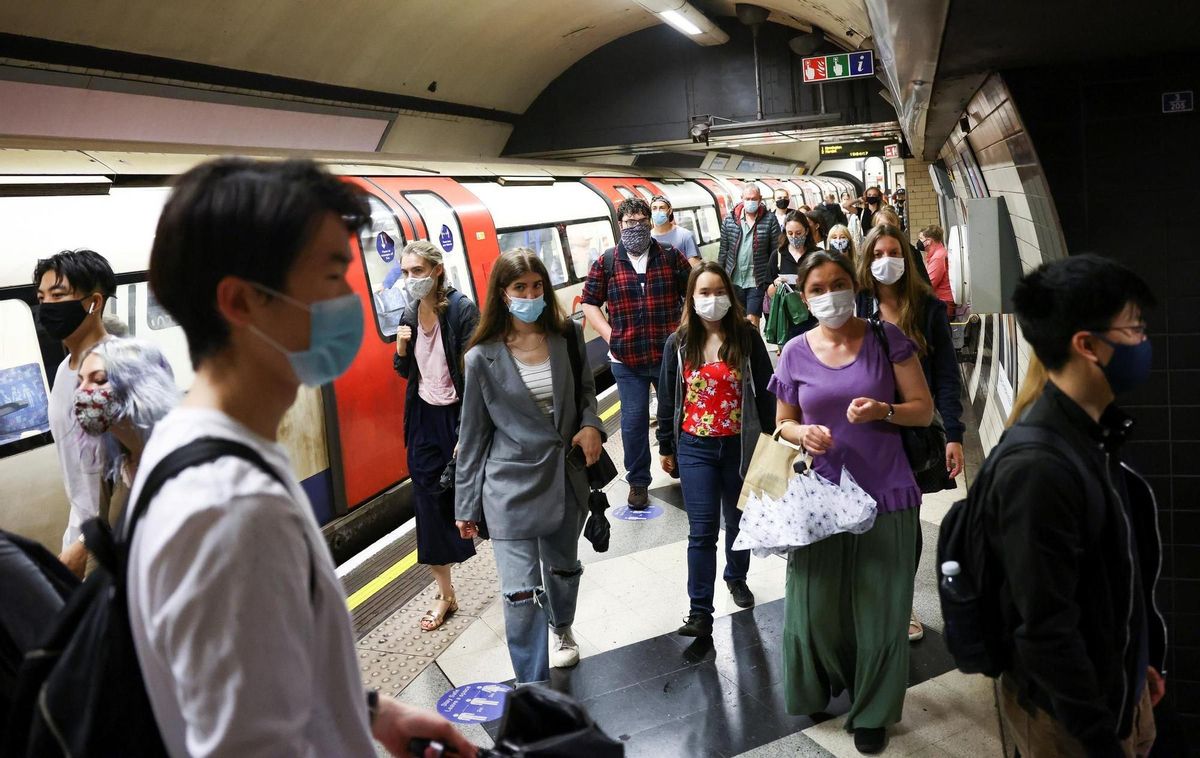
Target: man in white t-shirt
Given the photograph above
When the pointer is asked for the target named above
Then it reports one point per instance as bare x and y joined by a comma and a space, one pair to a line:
666, 231
72, 288
238, 618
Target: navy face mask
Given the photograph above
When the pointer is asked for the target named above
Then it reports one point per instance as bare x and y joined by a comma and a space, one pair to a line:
1129, 366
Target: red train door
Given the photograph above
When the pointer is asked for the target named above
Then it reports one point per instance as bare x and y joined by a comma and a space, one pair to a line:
369, 398
614, 190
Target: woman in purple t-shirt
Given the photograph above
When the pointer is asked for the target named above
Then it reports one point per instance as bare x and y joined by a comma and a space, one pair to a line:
848, 597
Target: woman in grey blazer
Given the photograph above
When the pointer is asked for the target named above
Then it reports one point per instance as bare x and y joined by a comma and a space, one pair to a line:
519, 422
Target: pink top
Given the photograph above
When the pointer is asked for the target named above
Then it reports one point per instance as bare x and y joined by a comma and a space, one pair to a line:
435, 386
937, 263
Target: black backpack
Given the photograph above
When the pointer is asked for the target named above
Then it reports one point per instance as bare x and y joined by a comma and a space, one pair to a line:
82, 693
976, 631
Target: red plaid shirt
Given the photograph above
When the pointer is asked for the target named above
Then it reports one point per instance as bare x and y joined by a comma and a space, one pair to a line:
641, 321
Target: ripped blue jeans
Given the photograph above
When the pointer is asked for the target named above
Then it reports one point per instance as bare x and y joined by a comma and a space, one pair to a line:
539, 583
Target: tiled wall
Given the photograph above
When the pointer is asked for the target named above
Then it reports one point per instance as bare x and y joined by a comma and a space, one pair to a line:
922, 200
1111, 174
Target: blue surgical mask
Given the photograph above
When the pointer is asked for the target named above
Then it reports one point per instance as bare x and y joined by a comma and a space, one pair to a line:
1129, 366
335, 333
751, 206
659, 217
528, 310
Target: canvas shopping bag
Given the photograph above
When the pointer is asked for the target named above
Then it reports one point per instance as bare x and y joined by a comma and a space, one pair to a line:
770, 469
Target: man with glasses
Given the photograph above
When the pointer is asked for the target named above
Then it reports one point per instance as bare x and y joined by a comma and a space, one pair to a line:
749, 236
1075, 538
643, 282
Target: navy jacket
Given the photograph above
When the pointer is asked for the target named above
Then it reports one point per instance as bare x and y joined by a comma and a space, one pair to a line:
940, 362
457, 325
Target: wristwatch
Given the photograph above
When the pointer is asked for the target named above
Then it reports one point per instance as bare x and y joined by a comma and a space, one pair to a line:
891, 412
372, 706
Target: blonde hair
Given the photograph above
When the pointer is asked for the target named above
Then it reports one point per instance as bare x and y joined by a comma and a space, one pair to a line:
885, 215
850, 252
1029, 390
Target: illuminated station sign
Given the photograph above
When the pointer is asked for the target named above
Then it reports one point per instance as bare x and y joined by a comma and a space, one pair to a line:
871, 148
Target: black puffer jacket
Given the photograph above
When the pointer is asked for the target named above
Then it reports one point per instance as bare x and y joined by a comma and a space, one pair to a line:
457, 324
766, 241
1079, 575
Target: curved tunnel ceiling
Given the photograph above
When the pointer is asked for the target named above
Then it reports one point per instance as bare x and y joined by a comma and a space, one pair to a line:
498, 54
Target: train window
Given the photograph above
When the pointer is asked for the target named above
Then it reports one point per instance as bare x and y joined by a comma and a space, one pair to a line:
710, 226
545, 242
687, 219
588, 241
381, 241
446, 232
24, 395
644, 192
156, 316
626, 192
143, 317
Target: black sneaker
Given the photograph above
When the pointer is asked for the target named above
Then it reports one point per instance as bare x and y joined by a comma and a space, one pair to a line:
742, 596
870, 741
639, 497
697, 625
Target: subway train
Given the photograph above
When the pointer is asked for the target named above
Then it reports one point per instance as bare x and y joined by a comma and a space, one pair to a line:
345, 438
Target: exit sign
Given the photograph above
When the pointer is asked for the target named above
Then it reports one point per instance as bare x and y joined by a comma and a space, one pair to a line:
828, 68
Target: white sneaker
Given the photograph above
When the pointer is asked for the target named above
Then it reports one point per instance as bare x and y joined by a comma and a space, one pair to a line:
564, 650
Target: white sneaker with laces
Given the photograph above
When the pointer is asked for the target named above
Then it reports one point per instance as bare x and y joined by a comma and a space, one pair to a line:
564, 650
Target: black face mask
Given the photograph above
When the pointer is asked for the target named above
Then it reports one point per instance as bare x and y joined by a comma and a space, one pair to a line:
872, 200
783, 204
920, 246
61, 319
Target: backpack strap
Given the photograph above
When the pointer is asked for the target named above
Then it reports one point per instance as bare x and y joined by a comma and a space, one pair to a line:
610, 263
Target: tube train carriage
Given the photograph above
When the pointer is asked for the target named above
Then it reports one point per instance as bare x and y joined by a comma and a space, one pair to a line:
345, 439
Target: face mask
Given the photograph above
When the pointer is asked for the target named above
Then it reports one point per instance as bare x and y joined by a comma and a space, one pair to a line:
526, 309
751, 207
711, 307
887, 270
783, 204
636, 240
659, 218
797, 240
95, 409
833, 308
61, 319
1129, 366
920, 246
335, 333
839, 243
872, 201
419, 287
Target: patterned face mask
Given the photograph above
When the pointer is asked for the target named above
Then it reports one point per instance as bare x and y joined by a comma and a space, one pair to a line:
95, 409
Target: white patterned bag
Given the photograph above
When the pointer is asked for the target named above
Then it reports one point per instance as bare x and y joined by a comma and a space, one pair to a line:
811, 509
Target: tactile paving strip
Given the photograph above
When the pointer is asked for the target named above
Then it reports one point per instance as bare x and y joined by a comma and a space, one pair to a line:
397, 650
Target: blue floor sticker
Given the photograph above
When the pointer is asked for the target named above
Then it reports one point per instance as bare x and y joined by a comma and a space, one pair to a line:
474, 703
625, 513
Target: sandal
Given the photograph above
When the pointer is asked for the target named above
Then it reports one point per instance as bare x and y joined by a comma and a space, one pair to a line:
915, 630
434, 619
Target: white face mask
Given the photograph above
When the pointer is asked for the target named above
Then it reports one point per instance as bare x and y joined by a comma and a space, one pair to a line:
711, 307
419, 286
833, 308
887, 270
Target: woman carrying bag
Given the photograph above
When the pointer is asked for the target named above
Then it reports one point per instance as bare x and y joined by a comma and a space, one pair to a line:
520, 423
848, 596
713, 406
430, 339
781, 270
892, 293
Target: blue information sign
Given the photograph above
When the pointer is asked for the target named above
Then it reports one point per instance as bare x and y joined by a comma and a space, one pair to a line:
625, 513
385, 246
1178, 102
446, 238
862, 64
474, 703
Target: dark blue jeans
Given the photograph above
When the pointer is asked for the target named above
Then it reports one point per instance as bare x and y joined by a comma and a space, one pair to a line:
751, 299
633, 387
709, 469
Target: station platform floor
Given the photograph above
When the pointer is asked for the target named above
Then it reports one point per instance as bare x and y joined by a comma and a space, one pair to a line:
666, 695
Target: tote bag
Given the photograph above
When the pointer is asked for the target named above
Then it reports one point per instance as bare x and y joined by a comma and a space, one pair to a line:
770, 469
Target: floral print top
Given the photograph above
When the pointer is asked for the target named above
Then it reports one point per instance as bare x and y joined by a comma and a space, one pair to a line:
712, 404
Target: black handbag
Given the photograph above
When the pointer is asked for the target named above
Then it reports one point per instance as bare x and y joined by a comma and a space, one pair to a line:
924, 446
541, 723
446, 492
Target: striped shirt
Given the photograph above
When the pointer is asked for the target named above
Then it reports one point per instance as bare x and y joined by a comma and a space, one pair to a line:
538, 379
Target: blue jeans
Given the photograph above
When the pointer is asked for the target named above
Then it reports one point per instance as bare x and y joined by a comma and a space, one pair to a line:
633, 387
751, 299
539, 581
709, 470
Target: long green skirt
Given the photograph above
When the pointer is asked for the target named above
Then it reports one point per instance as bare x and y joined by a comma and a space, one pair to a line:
847, 608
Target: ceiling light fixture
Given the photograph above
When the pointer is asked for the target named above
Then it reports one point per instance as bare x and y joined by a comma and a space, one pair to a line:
679, 22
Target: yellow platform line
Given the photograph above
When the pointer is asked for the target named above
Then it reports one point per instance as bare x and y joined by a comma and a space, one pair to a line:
387, 577
611, 411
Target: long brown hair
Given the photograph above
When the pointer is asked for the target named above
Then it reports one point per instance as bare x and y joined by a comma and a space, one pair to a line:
496, 322
914, 293
810, 244
734, 328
